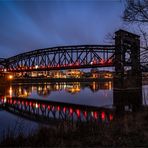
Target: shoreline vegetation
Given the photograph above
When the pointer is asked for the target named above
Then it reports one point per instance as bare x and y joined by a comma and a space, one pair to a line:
129, 130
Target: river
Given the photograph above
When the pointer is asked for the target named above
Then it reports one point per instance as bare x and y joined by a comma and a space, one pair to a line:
94, 94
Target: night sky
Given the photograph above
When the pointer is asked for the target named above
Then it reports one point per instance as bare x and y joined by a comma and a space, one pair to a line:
29, 25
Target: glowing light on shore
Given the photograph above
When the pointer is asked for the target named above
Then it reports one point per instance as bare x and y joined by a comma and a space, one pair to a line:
10, 77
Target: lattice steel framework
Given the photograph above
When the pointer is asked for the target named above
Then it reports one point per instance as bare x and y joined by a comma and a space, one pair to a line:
67, 57
144, 57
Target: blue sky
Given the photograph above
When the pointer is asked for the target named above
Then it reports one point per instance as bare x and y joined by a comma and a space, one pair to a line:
28, 25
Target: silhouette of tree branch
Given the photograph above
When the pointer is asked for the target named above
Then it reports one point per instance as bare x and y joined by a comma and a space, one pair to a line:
144, 36
109, 38
136, 11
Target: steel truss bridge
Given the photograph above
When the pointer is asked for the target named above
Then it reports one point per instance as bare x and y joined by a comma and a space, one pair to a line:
68, 57
43, 110
124, 52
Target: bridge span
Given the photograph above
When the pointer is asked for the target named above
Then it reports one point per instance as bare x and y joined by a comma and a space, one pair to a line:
125, 52
66, 57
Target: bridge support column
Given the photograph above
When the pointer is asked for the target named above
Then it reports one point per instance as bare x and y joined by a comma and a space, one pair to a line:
127, 54
128, 79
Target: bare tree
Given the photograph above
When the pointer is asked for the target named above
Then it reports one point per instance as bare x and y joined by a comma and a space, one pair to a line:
109, 38
136, 11
144, 37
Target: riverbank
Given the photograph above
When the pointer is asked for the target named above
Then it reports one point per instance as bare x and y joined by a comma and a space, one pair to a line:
130, 130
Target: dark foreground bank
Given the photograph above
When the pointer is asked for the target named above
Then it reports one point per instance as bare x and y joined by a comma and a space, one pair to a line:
129, 130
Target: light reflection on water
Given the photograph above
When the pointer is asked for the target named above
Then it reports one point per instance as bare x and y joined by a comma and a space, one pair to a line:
93, 93
86, 93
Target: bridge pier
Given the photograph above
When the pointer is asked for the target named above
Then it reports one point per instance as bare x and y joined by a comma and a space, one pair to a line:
127, 90
127, 55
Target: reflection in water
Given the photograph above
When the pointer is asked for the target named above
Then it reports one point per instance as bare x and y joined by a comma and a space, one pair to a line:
74, 88
10, 91
46, 89
128, 94
123, 100
127, 100
39, 109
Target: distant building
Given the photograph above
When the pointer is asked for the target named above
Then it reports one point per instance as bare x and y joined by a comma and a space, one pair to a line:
57, 74
95, 73
73, 73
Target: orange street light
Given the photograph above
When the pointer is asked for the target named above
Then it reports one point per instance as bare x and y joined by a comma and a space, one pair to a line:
10, 77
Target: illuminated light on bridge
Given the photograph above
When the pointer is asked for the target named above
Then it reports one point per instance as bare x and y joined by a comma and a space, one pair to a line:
102, 61
74, 66
110, 61
36, 66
